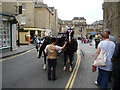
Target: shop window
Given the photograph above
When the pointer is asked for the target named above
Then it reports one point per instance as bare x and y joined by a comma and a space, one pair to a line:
5, 35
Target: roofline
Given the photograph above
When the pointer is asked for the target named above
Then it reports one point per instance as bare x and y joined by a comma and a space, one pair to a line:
43, 6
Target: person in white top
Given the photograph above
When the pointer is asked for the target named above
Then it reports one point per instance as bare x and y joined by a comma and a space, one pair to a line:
112, 38
104, 72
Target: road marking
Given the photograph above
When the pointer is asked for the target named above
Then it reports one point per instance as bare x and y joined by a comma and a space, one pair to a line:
1, 60
69, 81
74, 73
78, 64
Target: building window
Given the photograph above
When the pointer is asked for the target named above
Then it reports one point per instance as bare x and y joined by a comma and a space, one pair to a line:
5, 35
23, 20
23, 6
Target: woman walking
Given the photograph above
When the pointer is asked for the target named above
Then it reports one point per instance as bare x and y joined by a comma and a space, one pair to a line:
104, 72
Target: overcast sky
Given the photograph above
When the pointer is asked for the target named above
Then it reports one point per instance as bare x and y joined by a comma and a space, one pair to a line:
68, 9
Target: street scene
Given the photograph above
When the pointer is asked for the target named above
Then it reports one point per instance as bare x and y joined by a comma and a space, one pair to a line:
42, 48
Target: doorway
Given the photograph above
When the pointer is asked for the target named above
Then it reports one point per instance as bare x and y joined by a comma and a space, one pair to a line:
32, 34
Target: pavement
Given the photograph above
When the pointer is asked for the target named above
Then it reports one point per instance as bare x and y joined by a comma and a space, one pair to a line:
85, 77
18, 50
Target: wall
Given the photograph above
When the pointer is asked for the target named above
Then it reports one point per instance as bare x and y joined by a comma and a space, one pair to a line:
42, 18
9, 8
112, 18
28, 13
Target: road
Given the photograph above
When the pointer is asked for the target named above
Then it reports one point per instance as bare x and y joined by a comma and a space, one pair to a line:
26, 71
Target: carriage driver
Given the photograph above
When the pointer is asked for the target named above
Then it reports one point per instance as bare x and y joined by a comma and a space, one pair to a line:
51, 52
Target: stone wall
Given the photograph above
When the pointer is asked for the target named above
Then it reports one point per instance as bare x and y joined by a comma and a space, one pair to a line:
112, 18
28, 13
42, 17
9, 8
46, 19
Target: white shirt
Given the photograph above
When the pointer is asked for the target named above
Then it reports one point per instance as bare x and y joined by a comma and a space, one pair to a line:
58, 48
109, 47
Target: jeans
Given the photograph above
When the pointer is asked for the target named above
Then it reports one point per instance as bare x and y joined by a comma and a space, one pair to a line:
103, 78
52, 68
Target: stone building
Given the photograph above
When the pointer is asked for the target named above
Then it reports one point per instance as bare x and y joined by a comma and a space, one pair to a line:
36, 19
46, 18
53, 20
61, 26
81, 28
98, 26
8, 26
26, 21
90, 29
79, 24
111, 15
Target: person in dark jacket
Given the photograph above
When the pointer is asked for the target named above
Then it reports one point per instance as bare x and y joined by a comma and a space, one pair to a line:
116, 66
47, 40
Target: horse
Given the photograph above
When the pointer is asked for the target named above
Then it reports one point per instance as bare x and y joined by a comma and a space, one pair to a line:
47, 40
70, 49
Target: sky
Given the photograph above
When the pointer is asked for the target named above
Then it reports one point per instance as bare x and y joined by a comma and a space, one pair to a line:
91, 10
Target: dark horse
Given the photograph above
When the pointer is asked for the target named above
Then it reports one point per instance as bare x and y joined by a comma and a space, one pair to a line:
47, 40
68, 52
70, 49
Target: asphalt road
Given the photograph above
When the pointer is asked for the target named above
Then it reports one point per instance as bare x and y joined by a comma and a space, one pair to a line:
26, 71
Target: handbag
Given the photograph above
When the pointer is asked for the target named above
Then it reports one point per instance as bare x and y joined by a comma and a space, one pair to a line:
101, 59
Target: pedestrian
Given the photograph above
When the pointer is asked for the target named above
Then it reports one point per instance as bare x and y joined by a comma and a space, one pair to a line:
97, 40
104, 72
51, 52
116, 66
90, 38
37, 43
46, 41
112, 38
82, 39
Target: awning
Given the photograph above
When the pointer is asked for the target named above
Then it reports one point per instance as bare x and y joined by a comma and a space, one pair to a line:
35, 29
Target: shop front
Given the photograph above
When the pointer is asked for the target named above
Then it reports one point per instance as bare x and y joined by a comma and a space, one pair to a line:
5, 41
7, 33
31, 32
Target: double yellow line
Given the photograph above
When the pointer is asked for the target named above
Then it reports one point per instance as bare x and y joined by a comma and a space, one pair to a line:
74, 73
1, 60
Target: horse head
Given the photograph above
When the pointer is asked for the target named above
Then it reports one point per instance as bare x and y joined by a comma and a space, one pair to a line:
70, 34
